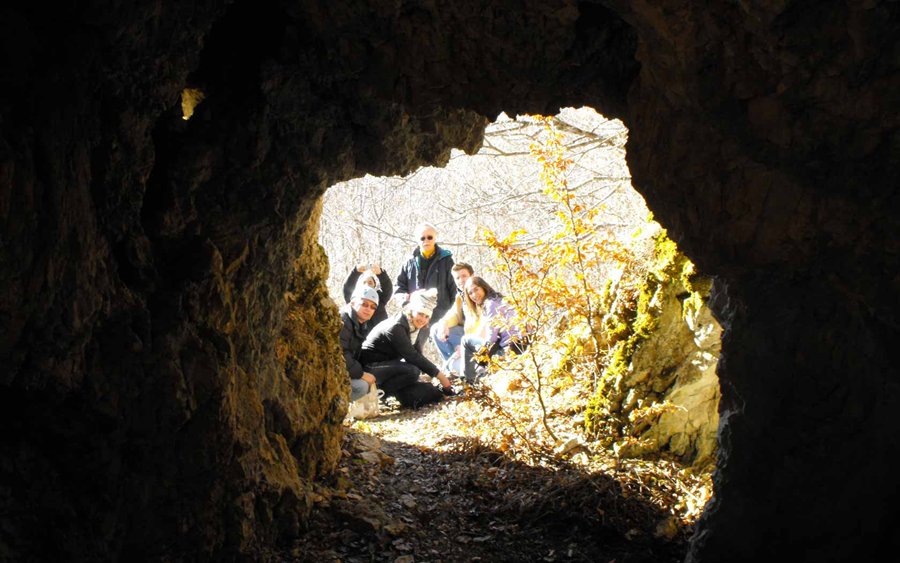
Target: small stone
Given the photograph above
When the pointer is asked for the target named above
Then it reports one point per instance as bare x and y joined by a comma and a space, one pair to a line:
405, 559
568, 446
371, 457
408, 501
395, 528
367, 442
666, 528
401, 544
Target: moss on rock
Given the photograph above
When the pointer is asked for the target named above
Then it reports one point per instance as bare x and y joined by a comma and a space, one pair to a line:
638, 409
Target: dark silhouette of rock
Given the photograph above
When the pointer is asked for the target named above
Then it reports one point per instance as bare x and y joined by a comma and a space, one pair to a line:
170, 376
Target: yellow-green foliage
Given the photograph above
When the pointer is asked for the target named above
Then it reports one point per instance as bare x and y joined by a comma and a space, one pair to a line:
580, 336
606, 418
550, 285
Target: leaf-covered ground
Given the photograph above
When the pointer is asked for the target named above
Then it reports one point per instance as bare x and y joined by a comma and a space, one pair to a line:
473, 479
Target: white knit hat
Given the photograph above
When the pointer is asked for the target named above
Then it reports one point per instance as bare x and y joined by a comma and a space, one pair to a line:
365, 292
423, 301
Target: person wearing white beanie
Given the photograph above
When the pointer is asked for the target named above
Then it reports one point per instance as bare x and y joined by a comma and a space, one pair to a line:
423, 301
393, 353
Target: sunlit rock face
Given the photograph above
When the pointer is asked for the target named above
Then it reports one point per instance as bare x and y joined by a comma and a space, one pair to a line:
674, 369
169, 377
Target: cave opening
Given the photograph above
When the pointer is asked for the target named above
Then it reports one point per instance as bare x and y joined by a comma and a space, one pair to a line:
171, 384
631, 397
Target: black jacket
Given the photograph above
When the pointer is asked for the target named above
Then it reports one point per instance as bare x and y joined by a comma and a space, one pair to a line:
384, 294
352, 336
415, 274
389, 340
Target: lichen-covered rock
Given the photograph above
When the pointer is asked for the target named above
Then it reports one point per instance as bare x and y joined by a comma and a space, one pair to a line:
679, 362
659, 395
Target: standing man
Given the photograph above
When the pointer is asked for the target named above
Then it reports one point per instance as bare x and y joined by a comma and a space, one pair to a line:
447, 332
429, 267
355, 316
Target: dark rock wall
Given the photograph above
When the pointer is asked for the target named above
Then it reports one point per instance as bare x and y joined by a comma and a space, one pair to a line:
169, 378
765, 136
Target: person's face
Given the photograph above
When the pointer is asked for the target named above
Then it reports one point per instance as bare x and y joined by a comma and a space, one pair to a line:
420, 319
460, 277
476, 294
364, 309
370, 282
426, 237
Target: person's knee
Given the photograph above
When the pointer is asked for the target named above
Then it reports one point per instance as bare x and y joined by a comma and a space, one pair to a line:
455, 337
410, 373
358, 389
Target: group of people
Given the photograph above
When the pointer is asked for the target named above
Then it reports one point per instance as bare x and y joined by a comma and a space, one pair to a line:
471, 320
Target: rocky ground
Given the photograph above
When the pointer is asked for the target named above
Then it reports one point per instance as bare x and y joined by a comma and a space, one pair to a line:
434, 485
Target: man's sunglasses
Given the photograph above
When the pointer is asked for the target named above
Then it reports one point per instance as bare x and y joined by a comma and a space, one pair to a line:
427, 237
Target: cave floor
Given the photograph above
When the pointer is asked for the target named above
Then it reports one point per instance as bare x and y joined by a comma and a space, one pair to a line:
425, 486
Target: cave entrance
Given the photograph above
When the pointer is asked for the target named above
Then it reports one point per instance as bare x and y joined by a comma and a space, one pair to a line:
625, 366
371, 219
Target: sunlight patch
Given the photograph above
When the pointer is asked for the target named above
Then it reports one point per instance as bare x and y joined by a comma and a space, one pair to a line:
190, 99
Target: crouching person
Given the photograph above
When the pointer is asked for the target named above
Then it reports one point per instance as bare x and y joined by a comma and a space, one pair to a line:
355, 316
493, 332
392, 352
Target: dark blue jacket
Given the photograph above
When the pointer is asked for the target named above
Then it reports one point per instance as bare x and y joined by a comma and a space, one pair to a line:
418, 273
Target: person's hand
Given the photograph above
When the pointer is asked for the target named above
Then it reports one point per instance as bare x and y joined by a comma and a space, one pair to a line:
445, 383
368, 378
443, 333
376, 269
362, 268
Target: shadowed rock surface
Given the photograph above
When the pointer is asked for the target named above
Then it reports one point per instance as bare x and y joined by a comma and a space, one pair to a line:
169, 375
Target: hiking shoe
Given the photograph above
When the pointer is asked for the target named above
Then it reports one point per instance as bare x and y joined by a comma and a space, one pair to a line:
448, 391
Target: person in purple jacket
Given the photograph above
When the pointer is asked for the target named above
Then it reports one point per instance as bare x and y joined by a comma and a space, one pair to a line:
495, 332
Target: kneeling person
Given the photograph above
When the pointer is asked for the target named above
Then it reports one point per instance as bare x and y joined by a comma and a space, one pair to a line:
355, 316
448, 331
393, 353
493, 333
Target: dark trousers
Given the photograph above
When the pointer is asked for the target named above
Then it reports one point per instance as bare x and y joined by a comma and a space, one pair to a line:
393, 375
401, 380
